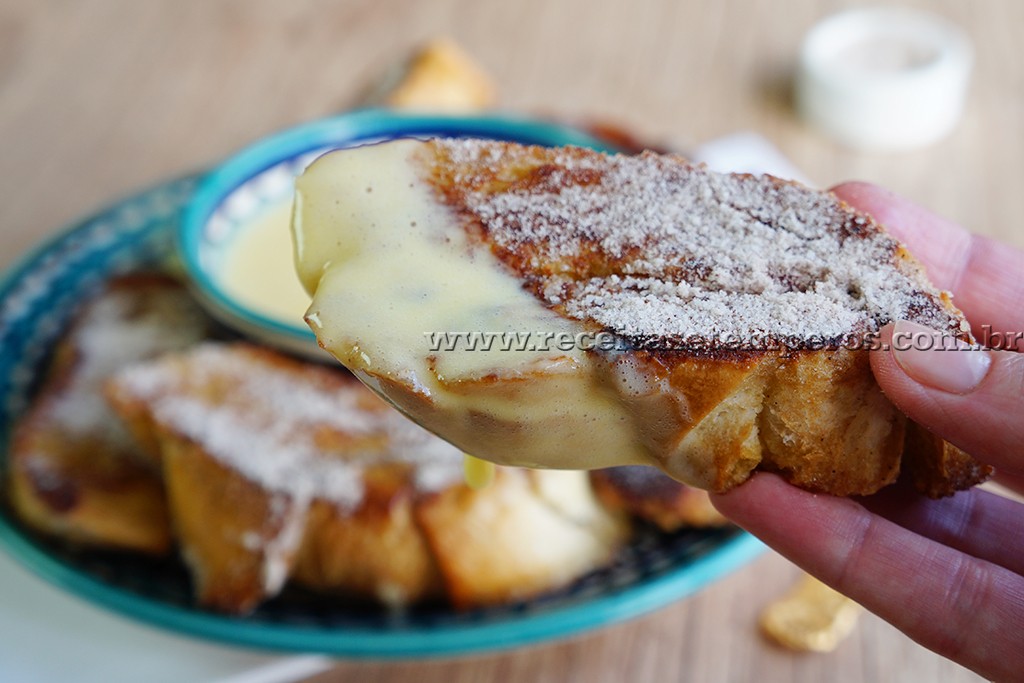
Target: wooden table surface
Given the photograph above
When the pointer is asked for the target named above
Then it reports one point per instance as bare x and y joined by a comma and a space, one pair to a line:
100, 98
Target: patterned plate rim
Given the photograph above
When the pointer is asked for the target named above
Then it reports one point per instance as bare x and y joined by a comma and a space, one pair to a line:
439, 641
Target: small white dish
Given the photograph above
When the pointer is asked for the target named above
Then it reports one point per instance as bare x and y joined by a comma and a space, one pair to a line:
884, 78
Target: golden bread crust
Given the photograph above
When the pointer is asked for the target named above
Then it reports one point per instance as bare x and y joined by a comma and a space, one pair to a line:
803, 404
389, 525
936, 467
395, 565
509, 542
649, 494
73, 473
228, 529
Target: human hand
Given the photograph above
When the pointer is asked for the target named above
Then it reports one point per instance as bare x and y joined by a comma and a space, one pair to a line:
949, 573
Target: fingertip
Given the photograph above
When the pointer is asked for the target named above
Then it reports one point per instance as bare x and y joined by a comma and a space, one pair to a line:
887, 371
971, 401
749, 499
858, 193
884, 206
908, 395
801, 525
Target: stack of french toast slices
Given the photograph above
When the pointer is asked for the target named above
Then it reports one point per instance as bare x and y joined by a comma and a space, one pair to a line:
150, 436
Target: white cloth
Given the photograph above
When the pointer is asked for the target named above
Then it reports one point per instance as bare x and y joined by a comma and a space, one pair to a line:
49, 635
746, 152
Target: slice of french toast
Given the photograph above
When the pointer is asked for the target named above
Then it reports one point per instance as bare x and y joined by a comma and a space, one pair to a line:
280, 470
74, 472
526, 532
566, 308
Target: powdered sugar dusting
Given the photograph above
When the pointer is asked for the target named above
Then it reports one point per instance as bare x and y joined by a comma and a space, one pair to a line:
289, 520
653, 248
303, 431
133, 320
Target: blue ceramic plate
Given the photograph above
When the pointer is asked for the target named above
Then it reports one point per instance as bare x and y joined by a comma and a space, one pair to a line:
36, 300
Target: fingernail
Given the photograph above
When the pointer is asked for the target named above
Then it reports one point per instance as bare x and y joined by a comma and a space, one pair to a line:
938, 360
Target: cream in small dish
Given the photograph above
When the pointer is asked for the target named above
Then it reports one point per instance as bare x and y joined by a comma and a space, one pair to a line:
235, 240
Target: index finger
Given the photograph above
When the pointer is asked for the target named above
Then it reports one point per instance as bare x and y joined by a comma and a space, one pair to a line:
984, 275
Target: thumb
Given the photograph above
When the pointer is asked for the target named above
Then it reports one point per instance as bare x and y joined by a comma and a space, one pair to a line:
969, 396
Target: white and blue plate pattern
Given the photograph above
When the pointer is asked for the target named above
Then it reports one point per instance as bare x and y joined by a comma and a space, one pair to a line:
38, 297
